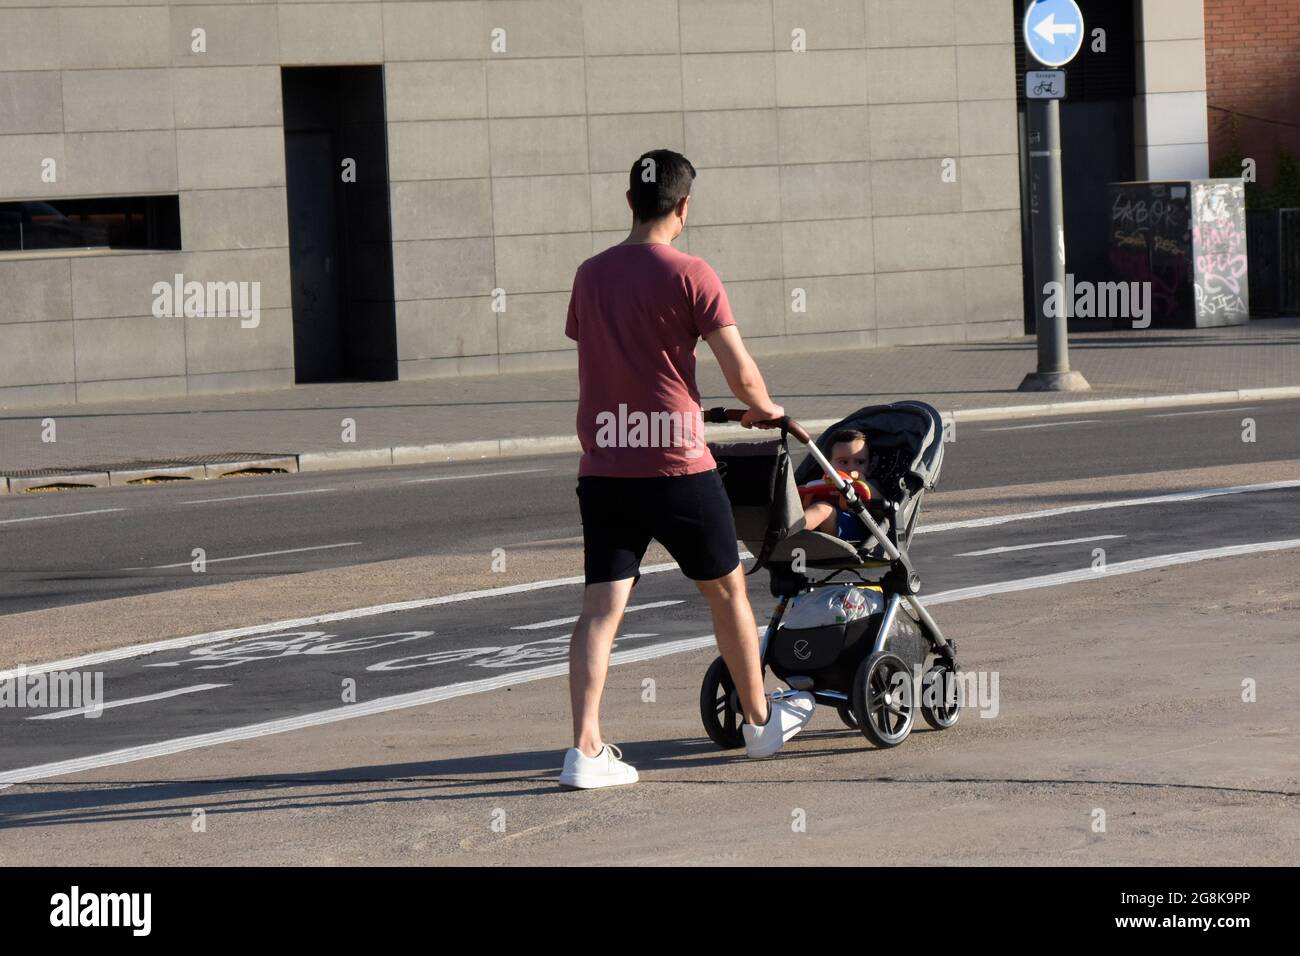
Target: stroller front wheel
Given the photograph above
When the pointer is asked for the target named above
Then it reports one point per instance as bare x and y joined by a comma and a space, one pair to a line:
720, 709
883, 699
847, 717
940, 705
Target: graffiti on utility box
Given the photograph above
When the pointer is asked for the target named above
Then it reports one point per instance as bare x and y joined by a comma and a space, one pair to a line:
1219, 237
1188, 239
1150, 242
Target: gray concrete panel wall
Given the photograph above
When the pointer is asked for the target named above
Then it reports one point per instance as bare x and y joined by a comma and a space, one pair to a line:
856, 155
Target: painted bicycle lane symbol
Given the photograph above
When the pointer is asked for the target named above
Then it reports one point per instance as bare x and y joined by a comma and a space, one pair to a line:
233, 653
546, 651
291, 644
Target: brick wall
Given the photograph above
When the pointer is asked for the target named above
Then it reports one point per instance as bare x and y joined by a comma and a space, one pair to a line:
1252, 66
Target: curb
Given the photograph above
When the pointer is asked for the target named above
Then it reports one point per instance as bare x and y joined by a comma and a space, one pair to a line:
560, 444
338, 460
1227, 397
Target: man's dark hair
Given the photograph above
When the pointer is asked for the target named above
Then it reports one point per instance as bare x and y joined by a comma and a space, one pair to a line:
658, 181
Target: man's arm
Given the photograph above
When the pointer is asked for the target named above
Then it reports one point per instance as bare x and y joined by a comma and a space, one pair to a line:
742, 375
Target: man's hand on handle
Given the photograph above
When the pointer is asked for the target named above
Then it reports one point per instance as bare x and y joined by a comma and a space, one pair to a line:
767, 415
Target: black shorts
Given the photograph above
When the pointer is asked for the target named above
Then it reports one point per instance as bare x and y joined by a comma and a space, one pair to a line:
690, 515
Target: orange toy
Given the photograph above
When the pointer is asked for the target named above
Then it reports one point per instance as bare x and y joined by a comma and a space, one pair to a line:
823, 490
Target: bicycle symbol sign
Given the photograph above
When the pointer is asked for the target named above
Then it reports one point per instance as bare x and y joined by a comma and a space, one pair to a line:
1045, 84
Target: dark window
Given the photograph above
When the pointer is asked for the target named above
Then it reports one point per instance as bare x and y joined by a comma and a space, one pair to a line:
118, 222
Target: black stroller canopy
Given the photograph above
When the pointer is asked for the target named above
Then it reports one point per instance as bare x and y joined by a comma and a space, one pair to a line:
905, 440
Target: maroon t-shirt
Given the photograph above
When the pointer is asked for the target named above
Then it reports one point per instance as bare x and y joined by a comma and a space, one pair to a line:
637, 312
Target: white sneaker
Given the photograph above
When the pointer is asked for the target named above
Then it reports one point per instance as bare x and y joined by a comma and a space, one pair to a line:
785, 718
606, 769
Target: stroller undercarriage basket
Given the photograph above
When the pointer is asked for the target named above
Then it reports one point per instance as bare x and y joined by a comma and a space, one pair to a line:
872, 667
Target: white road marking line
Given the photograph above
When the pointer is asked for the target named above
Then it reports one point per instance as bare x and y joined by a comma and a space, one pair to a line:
560, 621
1177, 497
1211, 411
269, 494
574, 539
434, 695
1152, 563
128, 701
246, 557
70, 514
485, 475
1016, 428
212, 637
1040, 544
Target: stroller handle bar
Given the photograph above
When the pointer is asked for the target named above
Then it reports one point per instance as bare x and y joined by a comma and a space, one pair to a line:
788, 424
718, 416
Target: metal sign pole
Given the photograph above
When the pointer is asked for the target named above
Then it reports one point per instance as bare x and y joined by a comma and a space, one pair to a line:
1047, 227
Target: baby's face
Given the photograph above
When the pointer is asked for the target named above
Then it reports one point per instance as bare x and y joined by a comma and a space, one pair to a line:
850, 456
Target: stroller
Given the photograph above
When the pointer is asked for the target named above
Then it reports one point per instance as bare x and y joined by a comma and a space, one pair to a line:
847, 637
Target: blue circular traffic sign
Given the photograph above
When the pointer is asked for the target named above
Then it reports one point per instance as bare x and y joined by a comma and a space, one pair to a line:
1053, 31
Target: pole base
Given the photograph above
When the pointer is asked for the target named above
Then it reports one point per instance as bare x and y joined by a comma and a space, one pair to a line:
1055, 382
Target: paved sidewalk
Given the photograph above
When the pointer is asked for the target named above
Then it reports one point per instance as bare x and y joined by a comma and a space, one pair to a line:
307, 419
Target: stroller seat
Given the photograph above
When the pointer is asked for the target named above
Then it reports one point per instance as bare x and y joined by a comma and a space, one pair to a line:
906, 457
825, 551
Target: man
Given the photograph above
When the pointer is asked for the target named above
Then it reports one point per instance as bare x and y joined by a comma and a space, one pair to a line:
636, 311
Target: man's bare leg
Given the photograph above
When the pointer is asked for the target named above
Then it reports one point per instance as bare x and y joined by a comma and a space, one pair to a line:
589, 649
737, 637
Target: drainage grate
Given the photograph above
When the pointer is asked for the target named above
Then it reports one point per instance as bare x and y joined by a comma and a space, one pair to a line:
44, 472
144, 463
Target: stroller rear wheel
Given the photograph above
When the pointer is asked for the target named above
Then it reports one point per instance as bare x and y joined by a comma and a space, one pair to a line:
847, 717
882, 699
720, 708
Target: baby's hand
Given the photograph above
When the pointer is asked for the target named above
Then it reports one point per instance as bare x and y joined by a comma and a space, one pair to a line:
861, 488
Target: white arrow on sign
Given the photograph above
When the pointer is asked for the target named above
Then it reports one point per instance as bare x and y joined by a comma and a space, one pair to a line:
1048, 28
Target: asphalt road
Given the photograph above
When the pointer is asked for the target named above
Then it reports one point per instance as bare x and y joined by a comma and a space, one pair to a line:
279, 673
1122, 689
71, 547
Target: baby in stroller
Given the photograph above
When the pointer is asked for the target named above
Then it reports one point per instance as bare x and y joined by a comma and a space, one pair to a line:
824, 508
